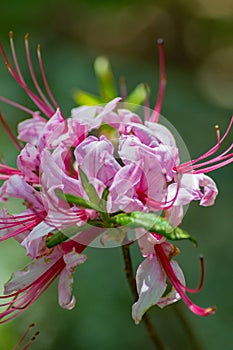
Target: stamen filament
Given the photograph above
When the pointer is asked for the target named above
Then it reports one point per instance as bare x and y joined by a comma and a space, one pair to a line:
33, 75
162, 82
24, 336
31, 341
178, 285
20, 230
164, 205
17, 105
15, 56
221, 157
9, 132
17, 78
44, 77
191, 166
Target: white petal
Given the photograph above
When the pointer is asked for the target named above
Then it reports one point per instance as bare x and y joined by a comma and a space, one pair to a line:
151, 284
22, 278
65, 285
173, 295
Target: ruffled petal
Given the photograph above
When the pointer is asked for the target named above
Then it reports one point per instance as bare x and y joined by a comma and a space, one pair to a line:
17, 187
31, 272
65, 297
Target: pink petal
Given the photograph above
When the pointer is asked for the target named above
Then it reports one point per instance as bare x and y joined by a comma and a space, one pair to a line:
29, 130
17, 187
95, 157
28, 162
161, 133
53, 131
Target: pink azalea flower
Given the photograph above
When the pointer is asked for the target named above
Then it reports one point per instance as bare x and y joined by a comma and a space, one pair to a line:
98, 178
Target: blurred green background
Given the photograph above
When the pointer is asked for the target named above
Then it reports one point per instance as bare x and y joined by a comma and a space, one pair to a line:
199, 53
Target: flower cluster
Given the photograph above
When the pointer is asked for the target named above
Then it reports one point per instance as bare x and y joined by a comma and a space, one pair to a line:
95, 177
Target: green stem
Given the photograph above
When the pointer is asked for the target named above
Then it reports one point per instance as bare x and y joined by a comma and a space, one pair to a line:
132, 284
129, 270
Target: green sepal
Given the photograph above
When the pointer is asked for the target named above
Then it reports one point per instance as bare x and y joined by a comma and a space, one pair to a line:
152, 223
88, 187
104, 74
104, 198
56, 239
69, 232
76, 200
103, 205
98, 204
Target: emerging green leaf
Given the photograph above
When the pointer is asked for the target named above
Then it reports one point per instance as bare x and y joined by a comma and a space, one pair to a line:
84, 98
139, 94
104, 74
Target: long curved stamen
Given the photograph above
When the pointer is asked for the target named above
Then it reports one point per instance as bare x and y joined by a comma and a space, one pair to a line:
44, 77
162, 83
26, 296
18, 295
6, 169
157, 205
12, 312
212, 150
11, 37
17, 105
15, 217
190, 290
220, 164
28, 55
38, 102
21, 223
9, 132
20, 230
24, 337
31, 341
10, 223
178, 285
6, 172
196, 290
222, 159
